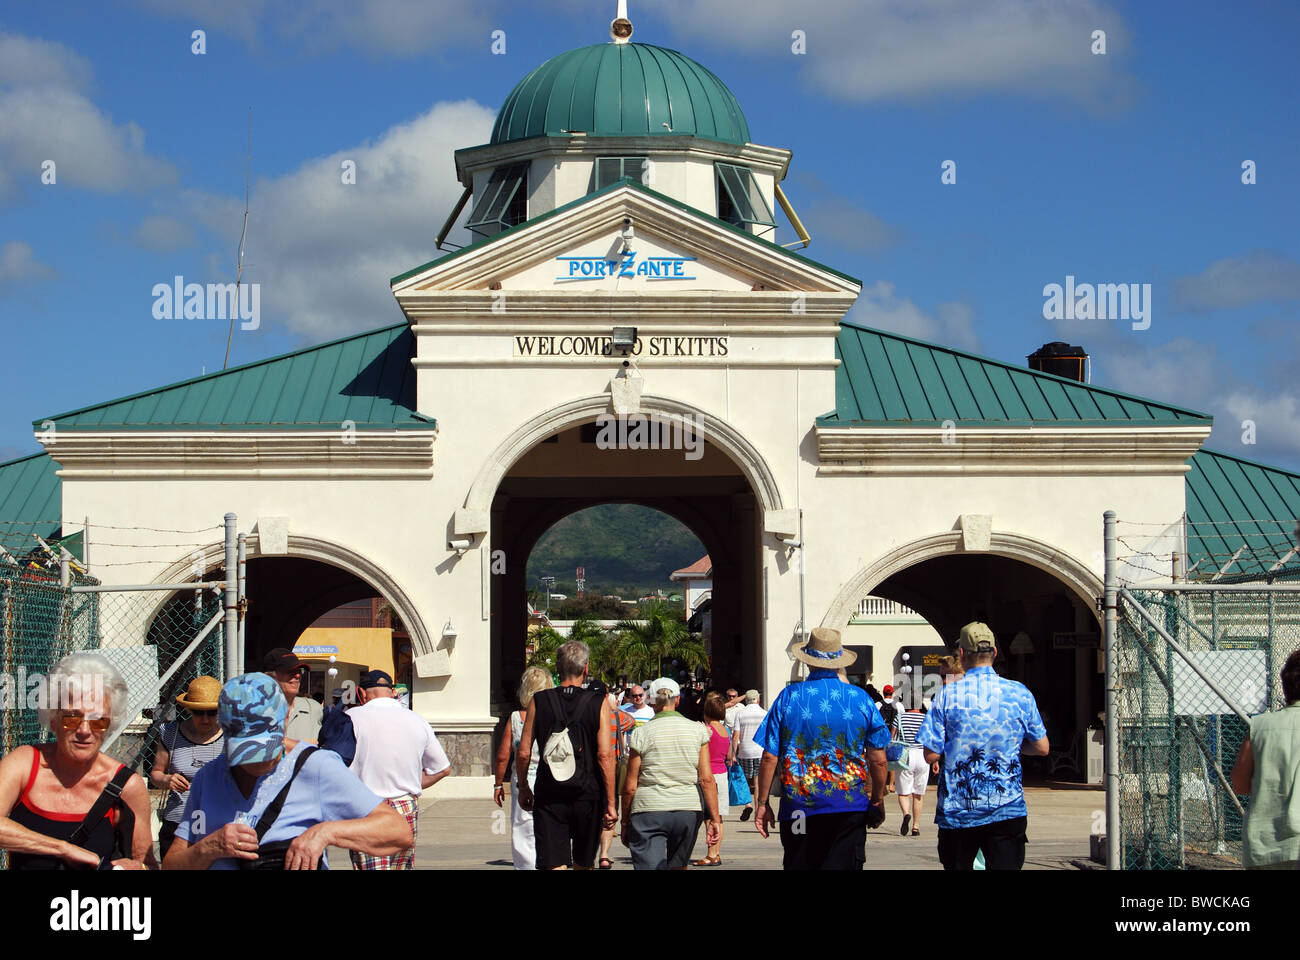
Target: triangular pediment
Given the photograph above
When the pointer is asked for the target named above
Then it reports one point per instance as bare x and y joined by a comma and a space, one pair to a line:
580, 248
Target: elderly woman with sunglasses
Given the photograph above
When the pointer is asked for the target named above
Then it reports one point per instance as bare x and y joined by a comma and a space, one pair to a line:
65, 804
183, 751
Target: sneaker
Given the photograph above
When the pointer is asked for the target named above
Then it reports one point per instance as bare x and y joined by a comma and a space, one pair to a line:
744, 814
907, 821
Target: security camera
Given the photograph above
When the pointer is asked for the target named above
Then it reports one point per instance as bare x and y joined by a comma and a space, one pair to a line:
789, 539
460, 546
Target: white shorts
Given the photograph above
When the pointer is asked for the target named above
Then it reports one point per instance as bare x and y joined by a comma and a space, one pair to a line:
724, 795
913, 780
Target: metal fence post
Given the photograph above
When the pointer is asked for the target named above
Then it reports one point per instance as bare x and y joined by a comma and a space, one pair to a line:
1109, 601
233, 665
243, 595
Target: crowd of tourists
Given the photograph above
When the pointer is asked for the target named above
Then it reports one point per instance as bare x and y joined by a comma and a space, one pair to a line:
253, 779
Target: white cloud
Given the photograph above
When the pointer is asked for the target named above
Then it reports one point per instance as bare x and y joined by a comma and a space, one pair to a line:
324, 251
1257, 277
32, 62
162, 233
18, 265
952, 324
1276, 417
393, 27
867, 50
45, 116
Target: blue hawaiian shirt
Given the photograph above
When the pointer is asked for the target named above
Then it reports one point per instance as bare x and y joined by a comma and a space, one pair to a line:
819, 731
978, 724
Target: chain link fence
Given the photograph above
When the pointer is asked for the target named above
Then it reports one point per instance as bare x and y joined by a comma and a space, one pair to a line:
158, 640
1179, 736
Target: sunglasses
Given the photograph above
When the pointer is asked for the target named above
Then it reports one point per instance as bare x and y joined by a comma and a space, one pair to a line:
73, 721
203, 713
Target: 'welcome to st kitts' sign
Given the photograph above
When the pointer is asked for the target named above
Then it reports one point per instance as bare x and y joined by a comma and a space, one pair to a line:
596, 345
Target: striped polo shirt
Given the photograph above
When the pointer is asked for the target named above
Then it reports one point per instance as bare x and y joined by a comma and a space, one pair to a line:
669, 747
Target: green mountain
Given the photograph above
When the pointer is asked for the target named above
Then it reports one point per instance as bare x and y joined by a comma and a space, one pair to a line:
624, 548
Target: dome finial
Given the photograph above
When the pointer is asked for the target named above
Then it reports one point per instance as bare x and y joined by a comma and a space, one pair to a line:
621, 27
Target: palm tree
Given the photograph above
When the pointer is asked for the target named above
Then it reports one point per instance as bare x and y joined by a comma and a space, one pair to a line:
643, 646
544, 641
603, 663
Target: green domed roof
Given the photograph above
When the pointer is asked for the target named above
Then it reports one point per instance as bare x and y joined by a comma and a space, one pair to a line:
621, 89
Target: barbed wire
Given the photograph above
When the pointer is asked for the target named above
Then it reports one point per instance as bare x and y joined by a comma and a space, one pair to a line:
81, 525
1214, 523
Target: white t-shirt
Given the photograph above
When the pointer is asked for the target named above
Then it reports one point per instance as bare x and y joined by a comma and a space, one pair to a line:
748, 720
731, 715
394, 746
640, 715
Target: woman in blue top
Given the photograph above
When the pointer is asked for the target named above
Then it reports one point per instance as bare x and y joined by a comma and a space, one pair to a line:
326, 805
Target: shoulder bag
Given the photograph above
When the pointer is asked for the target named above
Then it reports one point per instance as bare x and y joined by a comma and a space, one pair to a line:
271, 856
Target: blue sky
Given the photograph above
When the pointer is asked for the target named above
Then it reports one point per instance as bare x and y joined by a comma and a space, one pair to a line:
1119, 168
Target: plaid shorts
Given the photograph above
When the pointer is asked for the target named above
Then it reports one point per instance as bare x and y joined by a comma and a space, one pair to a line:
750, 767
408, 806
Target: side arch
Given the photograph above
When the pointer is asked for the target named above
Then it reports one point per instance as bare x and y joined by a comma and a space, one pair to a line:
716, 431
1073, 574
334, 554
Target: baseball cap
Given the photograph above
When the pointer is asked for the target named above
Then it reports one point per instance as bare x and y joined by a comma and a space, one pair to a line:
281, 658
375, 678
976, 637
888, 691
665, 683
252, 712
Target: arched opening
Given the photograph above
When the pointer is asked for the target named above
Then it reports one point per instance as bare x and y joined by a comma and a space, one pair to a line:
701, 487
314, 583
1047, 628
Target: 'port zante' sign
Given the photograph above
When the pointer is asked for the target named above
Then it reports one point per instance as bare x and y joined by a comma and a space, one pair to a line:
625, 266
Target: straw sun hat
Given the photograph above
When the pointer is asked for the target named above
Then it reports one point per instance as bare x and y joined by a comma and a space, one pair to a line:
824, 650
202, 694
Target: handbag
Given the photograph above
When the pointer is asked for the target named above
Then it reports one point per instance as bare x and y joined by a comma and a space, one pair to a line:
896, 752
737, 786
271, 856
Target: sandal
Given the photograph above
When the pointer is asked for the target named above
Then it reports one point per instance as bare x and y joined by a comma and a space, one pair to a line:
606, 863
707, 862
916, 833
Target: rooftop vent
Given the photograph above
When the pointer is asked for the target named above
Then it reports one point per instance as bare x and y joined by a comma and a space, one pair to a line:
1061, 359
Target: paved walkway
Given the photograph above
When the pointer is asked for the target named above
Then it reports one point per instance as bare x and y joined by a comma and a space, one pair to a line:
475, 835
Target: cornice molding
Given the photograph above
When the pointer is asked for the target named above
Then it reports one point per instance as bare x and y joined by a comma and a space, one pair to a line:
1007, 451
373, 455
470, 160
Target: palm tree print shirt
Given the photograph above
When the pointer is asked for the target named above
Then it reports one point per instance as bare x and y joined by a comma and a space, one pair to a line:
819, 731
978, 724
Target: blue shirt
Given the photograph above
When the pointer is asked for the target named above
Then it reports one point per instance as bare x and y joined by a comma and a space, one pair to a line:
978, 724
325, 790
819, 731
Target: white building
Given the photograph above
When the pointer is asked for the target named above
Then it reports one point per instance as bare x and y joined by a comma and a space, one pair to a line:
818, 463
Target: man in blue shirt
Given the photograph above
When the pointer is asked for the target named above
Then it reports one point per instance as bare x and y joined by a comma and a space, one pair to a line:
829, 741
980, 726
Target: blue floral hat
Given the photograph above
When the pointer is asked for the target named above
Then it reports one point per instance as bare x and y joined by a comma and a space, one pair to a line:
252, 713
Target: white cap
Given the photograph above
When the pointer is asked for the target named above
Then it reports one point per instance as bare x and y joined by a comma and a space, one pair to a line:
664, 683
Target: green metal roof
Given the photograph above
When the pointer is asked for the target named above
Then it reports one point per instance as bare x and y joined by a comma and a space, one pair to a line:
366, 378
31, 501
621, 89
886, 379
1234, 503
616, 185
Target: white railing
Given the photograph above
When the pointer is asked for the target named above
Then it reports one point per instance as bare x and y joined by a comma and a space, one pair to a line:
880, 607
